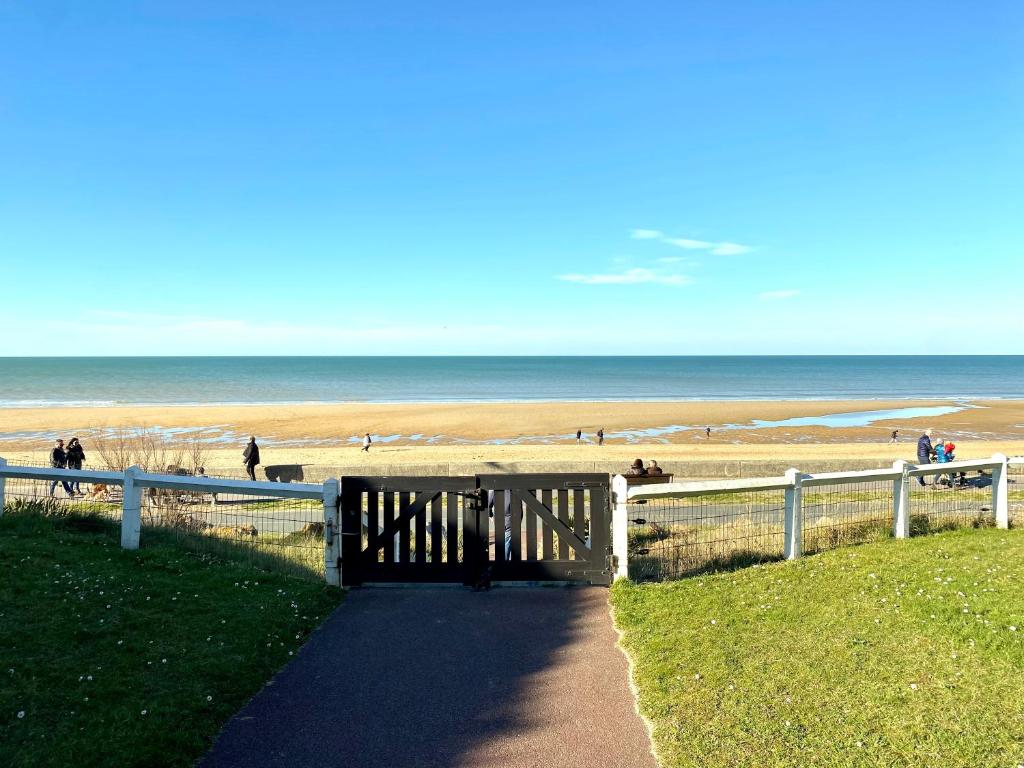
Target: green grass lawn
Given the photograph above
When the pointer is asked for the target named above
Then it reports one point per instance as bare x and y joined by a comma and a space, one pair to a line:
116, 658
897, 653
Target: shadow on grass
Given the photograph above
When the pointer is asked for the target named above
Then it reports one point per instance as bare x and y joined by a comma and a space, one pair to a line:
678, 563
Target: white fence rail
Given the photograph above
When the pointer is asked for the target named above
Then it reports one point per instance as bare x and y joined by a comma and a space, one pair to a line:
133, 480
793, 484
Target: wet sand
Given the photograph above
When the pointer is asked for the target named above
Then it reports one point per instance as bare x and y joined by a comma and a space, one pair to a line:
538, 432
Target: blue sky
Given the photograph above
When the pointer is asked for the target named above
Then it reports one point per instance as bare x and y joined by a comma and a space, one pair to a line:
514, 178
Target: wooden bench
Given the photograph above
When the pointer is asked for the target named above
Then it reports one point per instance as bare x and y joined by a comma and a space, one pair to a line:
648, 479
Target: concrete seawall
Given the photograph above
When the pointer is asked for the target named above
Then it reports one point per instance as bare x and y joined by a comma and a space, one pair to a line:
695, 470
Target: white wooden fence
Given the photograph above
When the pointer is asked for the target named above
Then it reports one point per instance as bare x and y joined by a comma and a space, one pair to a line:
133, 480
793, 482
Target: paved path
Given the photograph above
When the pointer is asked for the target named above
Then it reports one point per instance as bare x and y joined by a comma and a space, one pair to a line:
448, 677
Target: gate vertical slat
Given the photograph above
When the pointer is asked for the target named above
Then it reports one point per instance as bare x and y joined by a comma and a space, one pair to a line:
452, 558
403, 529
549, 539
421, 533
471, 554
351, 536
499, 526
483, 532
563, 516
372, 525
531, 531
600, 530
516, 550
579, 519
389, 515
435, 531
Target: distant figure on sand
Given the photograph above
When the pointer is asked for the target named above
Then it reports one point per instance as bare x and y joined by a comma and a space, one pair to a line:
636, 469
895, 435
653, 470
579, 435
924, 451
600, 436
59, 460
707, 433
367, 442
251, 457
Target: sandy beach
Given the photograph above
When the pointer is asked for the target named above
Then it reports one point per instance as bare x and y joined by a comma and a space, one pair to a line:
432, 435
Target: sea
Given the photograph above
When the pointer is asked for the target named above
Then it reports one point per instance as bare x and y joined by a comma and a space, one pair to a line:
112, 381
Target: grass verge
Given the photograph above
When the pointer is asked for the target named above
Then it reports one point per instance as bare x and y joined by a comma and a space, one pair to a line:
893, 653
109, 657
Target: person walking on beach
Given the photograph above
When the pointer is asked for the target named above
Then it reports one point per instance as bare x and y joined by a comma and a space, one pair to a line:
600, 436
707, 433
367, 442
924, 451
579, 436
251, 457
895, 434
76, 456
59, 460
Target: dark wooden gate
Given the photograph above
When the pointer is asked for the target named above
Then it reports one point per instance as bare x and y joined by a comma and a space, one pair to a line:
454, 529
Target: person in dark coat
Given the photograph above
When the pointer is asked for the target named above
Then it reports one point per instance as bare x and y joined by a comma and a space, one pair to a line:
59, 460
76, 456
251, 457
924, 451
637, 469
600, 436
579, 435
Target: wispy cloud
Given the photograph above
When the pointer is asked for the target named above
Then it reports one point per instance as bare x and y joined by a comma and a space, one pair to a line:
646, 234
633, 276
730, 249
685, 242
787, 293
723, 248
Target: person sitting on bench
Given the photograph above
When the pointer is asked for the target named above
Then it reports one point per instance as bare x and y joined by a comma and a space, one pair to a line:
637, 469
653, 470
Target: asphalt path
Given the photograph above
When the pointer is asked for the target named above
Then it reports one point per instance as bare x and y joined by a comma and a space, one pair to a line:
449, 677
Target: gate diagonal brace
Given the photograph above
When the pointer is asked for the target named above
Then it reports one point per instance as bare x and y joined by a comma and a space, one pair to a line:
390, 527
557, 525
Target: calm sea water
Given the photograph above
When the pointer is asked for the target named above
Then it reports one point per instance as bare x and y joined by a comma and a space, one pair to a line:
28, 382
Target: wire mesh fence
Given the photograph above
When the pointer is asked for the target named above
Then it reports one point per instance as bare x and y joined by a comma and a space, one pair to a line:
60, 498
268, 531
673, 537
839, 514
1015, 493
951, 500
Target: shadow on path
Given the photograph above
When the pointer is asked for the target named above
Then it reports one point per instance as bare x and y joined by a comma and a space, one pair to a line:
448, 677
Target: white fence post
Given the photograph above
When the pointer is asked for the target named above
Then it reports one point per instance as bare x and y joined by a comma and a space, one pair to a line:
1001, 492
901, 501
332, 534
131, 510
3, 484
793, 536
620, 523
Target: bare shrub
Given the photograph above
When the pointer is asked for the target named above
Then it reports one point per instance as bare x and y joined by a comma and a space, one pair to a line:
124, 447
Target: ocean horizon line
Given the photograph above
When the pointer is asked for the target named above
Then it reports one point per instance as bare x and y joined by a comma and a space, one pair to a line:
40, 404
